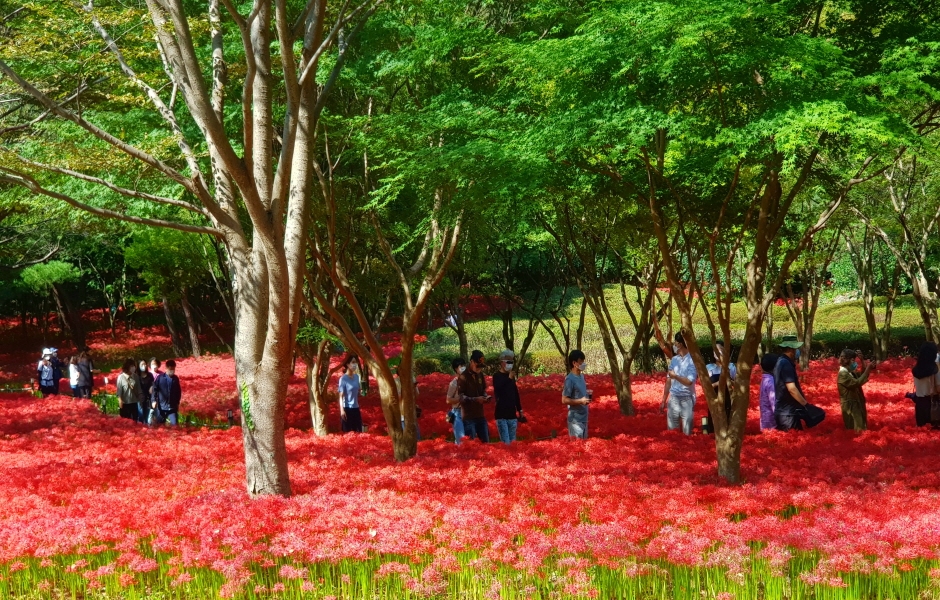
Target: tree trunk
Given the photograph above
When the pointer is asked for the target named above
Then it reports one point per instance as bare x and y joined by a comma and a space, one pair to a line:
70, 317
175, 338
262, 367
926, 307
190, 324
625, 390
624, 397
317, 374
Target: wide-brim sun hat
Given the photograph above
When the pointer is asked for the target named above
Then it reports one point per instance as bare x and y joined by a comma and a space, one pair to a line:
507, 355
790, 341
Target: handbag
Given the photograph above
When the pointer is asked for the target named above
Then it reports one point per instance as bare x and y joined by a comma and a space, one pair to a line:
451, 417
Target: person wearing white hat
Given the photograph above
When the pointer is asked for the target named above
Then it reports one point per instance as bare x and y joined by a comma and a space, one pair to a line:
45, 373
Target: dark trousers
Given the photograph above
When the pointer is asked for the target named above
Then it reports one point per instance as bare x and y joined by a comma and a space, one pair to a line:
128, 411
84, 391
353, 420
165, 416
792, 418
477, 429
922, 411
48, 390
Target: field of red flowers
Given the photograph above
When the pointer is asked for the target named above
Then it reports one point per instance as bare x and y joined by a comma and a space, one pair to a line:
111, 502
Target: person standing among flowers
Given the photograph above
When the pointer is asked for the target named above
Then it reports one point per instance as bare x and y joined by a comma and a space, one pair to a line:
166, 395
45, 374
85, 374
128, 390
926, 386
73, 377
850, 382
146, 391
679, 391
768, 395
57, 365
453, 399
508, 405
349, 387
576, 395
792, 407
471, 386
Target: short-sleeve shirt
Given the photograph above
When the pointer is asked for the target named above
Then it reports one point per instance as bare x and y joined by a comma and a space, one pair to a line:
685, 368
349, 391
575, 388
784, 373
715, 369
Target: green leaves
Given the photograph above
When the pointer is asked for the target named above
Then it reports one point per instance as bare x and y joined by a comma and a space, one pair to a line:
43, 276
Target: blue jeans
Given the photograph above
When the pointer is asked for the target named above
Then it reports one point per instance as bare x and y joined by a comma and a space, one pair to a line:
507, 430
578, 422
458, 425
477, 429
143, 412
679, 410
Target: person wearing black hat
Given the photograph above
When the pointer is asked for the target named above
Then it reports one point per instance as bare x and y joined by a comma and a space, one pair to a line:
472, 389
792, 407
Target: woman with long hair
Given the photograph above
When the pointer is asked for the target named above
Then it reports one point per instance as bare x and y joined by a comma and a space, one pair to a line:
926, 385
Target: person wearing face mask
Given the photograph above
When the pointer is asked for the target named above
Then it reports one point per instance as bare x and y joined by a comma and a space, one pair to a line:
166, 395
128, 389
576, 396
146, 390
349, 387
471, 385
508, 406
453, 399
850, 382
679, 392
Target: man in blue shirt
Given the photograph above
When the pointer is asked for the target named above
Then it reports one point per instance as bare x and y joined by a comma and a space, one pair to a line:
792, 407
679, 392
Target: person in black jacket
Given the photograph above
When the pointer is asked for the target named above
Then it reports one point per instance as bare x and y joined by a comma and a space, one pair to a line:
146, 389
166, 395
508, 406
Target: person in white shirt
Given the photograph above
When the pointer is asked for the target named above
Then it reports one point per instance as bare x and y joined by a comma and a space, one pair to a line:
679, 392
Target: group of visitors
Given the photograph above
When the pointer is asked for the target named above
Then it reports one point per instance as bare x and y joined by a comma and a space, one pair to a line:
149, 396
146, 395
784, 406
81, 370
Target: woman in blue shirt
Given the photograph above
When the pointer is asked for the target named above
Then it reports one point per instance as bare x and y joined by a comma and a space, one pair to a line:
348, 388
576, 396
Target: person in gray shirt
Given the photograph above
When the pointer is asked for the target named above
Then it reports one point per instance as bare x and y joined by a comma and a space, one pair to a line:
576, 396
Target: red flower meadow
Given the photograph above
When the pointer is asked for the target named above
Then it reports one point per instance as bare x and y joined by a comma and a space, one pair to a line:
76, 480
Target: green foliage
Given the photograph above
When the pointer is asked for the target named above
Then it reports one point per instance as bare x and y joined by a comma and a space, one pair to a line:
44, 276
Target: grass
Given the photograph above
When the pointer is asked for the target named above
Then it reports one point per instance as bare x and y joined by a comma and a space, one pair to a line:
838, 324
58, 577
